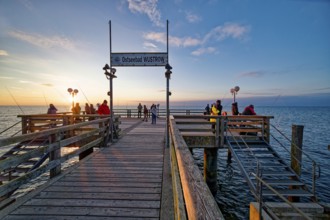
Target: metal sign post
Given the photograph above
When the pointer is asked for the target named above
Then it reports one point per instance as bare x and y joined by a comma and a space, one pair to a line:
142, 59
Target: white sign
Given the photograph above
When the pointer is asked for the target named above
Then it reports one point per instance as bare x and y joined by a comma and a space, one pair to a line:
139, 59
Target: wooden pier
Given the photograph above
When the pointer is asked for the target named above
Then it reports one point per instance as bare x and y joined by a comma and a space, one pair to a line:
123, 181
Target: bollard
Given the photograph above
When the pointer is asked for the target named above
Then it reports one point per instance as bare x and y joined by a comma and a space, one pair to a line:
296, 153
210, 168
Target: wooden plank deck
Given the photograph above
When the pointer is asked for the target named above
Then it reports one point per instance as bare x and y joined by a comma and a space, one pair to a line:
123, 181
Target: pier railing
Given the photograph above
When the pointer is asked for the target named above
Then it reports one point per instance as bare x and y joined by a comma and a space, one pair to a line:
23, 149
192, 197
133, 113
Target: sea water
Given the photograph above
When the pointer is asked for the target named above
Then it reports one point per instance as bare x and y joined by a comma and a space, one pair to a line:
233, 196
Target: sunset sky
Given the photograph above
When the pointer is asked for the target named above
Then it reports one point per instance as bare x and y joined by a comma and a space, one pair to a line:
276, 51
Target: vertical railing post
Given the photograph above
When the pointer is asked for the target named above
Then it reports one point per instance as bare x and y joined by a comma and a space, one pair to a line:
55, 155
314, 177
222, 132
24, 125
267, 129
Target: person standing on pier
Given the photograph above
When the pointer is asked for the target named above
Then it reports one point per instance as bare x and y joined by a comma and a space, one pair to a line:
139, 110
234, 109
52, 109
214, 112
145, 113
219, 106
153, 114
87, 109
104, 108
207, 110
249, 110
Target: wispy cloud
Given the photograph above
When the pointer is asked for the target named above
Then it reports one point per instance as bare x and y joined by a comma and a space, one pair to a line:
192, 18
148, 7
150, 46
6, 77
200, 51
220, 33
160, 37
43, 41
228, 30
3, 53
47, 84
252, 74
28, 4
323, 89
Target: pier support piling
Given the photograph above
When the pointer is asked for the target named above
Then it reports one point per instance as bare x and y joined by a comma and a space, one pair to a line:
210, 168
296, 152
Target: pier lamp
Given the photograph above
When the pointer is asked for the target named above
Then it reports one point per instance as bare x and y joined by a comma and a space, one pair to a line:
73, 93
234, 91
168, 73
110, 74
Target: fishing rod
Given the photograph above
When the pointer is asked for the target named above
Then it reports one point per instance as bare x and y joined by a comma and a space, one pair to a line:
84, 94
15, 100
45, 99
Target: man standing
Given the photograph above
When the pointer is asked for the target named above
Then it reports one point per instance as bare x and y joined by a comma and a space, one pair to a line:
139, 110
104, 108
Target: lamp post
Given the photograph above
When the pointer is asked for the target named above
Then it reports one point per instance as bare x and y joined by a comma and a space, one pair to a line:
234, 91
73, 92
168, 93
110, 74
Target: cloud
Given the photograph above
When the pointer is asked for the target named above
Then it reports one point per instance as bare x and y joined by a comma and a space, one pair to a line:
220, 33
150, 46
192, 18
252, 74
47, 84
3, 53
6, 77
43, 41
202, 51
323, 89
26, 82
228, 30
28, 4
160, 37
148, 7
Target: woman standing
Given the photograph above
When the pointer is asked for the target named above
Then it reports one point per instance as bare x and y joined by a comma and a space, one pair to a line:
145, 112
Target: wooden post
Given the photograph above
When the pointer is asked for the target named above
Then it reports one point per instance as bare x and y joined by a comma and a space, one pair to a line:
296, 153
211, 161
266, 129
296, 148
210, 168
229, 156
24, 125
55, 155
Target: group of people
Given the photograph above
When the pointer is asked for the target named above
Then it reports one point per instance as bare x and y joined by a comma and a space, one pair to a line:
153, 109
102, 109
216, 109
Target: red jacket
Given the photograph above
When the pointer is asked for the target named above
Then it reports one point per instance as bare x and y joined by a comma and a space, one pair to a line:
103, 110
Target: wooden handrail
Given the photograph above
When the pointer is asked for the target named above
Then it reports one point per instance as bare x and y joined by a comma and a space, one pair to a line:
200, 203
87, 139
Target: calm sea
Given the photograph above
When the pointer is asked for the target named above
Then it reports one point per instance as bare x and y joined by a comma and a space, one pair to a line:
233, 195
